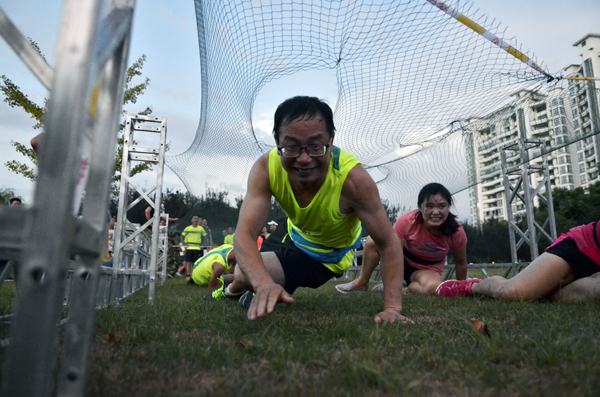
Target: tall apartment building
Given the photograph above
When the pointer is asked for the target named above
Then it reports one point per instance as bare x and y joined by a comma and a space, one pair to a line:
584, 97
554, 117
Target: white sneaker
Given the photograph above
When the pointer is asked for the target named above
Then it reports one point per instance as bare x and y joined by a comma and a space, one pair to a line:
232, 295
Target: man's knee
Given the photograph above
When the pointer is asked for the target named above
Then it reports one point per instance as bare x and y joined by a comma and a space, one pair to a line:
430, 287
239, 276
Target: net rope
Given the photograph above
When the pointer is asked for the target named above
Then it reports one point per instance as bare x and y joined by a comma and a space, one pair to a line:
421, 97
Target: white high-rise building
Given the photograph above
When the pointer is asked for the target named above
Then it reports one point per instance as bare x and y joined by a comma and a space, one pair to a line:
584, 98
555, 118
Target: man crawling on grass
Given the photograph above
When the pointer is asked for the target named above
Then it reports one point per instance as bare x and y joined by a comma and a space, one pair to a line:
326, 194
210, 270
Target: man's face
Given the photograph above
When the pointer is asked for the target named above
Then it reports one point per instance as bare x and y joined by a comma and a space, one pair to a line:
15, 203
204, 222
272, 227
195, 220
224, 233
303, 132
230, 230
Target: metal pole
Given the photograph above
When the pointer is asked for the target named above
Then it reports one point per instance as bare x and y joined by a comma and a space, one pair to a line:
50, 225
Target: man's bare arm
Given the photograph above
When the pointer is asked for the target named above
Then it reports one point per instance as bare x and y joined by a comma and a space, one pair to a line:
218, 271
362, 196
253, 215
460, 263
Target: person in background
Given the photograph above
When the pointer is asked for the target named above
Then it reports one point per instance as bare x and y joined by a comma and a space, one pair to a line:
111, 235
272, 226
15, 202
229, 237
149, 213
181, 267
208, 241
212, 270
264, 234
426, 234
194, 236
569, 271
224, 233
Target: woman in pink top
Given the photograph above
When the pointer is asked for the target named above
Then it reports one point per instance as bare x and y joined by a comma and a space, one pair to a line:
427, 235
568, 271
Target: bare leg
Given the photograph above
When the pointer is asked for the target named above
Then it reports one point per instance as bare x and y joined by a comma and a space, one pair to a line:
105, 254
582, 290
189, 266
542, 277
273, 267
370, 262
424, 282
228, 278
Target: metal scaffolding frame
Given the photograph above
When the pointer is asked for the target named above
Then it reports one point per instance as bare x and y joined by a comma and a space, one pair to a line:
525, 193
58, 252
163, 248
136, 275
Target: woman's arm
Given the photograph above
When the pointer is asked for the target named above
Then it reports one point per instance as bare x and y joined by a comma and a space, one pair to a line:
460, 261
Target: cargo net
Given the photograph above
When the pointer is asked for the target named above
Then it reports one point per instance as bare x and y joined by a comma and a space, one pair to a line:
421, 96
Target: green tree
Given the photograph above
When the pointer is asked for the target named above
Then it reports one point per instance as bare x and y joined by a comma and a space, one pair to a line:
15, 98
6, 194
392, 211
130, 95
488, 242
572, 208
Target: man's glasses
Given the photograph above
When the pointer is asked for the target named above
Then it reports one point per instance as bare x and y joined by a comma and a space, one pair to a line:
296, 151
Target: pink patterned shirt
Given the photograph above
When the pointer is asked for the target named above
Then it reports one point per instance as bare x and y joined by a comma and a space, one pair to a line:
419, 242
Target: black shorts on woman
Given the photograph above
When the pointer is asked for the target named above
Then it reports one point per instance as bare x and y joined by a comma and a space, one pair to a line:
581, 265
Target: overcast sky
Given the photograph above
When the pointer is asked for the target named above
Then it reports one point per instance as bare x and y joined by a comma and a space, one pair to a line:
166, 33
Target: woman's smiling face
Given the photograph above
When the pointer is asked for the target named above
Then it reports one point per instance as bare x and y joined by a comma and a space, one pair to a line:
435, 211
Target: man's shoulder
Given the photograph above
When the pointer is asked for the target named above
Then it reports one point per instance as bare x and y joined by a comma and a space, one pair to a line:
357, 182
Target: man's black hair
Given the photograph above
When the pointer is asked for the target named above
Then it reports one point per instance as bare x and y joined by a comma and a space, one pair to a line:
451, 225
15, 199
298, 106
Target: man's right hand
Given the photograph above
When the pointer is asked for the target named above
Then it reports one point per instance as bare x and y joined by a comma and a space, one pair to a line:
267, 296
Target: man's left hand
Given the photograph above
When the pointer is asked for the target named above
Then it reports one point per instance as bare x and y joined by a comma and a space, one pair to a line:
391, 316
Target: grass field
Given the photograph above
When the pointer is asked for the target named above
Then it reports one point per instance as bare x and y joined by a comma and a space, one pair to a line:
327, 344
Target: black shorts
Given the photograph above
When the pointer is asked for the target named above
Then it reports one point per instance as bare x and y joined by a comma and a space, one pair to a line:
193, 255
581, 265
299, 268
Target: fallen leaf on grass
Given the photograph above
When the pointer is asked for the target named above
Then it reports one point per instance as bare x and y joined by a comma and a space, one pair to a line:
113, 338
243, 344
481, 327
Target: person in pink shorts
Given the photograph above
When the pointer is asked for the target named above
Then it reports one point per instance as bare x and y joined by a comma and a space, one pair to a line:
427, 234
568, 271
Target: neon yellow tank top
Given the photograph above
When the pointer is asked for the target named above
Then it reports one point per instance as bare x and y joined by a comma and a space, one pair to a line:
321, 221
202, 270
